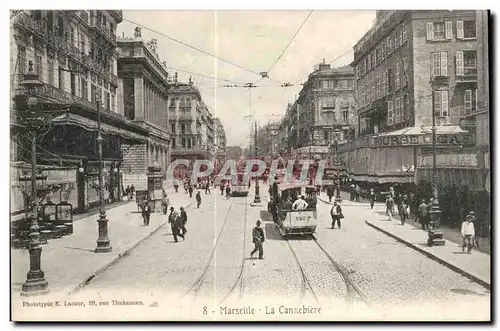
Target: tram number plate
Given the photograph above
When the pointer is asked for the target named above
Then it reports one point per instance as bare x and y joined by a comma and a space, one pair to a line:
301, 219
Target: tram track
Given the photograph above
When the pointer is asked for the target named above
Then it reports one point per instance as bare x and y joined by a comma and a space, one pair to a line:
238, 283
305, 282
197, 285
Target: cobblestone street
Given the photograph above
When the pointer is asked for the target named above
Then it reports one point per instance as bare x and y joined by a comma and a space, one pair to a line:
193, 280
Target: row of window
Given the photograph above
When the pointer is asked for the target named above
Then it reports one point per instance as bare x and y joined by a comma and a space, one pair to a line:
332, 101
378, 87
339, 84
465, 63
78, 83
440, 31
379, 54
396, 110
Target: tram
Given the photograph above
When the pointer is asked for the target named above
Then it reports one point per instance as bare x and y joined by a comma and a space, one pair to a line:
294, 222
241, 188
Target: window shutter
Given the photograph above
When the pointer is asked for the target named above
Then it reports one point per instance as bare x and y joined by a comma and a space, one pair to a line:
449, 29
444, 103
467, 101
460, 63
460, 29
444, 63
430, 31
389, 45
475, 95
437, 103
389, 113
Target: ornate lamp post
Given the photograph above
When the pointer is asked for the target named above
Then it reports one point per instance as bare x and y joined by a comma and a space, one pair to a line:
256, 201
103, 242
36, 124
435, 236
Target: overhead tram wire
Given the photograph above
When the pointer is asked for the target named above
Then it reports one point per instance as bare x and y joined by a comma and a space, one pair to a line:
282, 52
193, 47
290, 42
337, 58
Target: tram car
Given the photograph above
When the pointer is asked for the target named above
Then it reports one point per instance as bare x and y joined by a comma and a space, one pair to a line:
294, 222
240, 189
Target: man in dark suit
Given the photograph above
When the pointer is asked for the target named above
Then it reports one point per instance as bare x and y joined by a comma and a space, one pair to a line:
182, 222
258, 239
146, 212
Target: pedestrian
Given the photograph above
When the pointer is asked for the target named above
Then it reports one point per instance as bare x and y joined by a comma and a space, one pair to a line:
228, 191
468, 232
222, 189
132, 191
190, 190
274, 212
329, 192
173, 219
207, 187
372, 197
258, 240
389, 206
336, 214
198, 199
423, 214
176, 185
146, 212
183, 221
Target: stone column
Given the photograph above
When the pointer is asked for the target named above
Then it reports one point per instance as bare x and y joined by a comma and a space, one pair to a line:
139, 94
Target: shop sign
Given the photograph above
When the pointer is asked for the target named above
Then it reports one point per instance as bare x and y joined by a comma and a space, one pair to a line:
449, 160
462, 139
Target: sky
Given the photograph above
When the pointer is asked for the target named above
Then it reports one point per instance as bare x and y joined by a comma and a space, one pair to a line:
253, 40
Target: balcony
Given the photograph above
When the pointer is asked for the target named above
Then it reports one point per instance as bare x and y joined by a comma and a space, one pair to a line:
439, 80
469, 76
104, 31
53, 94
40, 30
184, 116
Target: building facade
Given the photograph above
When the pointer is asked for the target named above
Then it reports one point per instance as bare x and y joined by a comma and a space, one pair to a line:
409, 66
220, 140
324, 112
74, 55
143, 95
192, 126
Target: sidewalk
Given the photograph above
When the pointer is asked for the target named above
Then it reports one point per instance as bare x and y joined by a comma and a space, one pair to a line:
475, 266
70, 262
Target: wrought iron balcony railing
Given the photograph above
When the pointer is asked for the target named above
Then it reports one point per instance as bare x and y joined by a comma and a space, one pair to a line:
56, 95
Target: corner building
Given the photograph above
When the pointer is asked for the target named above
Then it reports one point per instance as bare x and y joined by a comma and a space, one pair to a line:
407, 66
192, 126
324, 113
144, 95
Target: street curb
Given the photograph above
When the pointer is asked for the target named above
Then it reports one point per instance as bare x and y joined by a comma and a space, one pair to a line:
118, 257
434, 257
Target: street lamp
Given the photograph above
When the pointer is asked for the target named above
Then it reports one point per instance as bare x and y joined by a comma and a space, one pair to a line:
103, 242
435, 236
256, 201
35, 123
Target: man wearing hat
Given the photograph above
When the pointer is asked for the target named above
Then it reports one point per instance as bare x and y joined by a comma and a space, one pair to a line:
371, 197
174, 219
423, 214
258, 239
468, 232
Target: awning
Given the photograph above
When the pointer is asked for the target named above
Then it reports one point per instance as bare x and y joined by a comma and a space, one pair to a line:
91, 125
